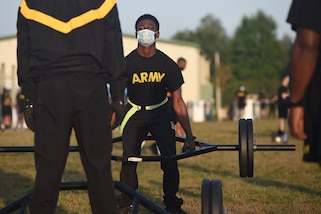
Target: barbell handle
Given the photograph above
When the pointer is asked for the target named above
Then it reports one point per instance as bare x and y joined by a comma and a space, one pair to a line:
225, 147
257, 147
273, 147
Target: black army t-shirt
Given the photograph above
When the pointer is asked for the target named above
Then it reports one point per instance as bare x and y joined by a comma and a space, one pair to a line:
150, 78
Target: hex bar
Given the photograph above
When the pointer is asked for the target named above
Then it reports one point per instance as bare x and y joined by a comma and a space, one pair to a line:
28, 149
138, 198
227, 147
204, 148
173, 157
20, 203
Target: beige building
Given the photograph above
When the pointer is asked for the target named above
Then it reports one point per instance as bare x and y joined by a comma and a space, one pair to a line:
196, 75
8, 65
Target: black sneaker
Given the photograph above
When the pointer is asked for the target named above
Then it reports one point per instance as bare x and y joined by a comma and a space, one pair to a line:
126, 210
173, 204
175, 211
173, 201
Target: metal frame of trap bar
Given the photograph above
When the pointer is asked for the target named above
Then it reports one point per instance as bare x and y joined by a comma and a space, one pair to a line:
138, 199
246, 147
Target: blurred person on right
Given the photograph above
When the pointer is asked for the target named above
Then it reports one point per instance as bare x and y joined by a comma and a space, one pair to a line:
305, 100
283, 99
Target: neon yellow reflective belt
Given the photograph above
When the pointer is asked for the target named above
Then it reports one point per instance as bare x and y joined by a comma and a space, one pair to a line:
135, 108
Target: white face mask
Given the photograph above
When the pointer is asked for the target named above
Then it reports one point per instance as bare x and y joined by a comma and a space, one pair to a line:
146, 37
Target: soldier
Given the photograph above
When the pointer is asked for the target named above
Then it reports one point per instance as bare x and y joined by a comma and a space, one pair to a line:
67, 53
151, 73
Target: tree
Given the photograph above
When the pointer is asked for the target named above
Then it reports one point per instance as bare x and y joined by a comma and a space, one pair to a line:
212, 38
256, 56
210, 35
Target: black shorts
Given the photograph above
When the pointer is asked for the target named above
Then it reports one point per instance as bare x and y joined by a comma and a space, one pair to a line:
6, 111
21, 107
283, 110
241, 105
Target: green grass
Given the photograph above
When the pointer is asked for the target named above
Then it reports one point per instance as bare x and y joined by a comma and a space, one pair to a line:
282, 183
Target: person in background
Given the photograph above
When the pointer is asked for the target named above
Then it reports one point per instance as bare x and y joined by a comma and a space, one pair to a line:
6, 109
240, 96
179, 131
181, 62
263, 103
65, 61
283, 98
20, 108
305, 97
152, 73
272, 105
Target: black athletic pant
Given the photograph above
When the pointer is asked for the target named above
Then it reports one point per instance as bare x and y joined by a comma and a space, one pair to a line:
312, 122
63, 103
158, 123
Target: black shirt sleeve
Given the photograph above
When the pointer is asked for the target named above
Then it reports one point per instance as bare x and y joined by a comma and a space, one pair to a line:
305, 14
114, 57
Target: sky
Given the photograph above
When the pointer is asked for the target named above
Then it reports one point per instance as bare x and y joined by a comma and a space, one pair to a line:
177, 15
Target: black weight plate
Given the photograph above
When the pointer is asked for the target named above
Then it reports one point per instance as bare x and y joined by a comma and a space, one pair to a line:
205, 196
216, 197
250, 151
243, 148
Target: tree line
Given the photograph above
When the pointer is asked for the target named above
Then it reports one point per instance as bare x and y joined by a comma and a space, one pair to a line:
253, 57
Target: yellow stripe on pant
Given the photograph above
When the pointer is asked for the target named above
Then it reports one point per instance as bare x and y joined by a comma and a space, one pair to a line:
73, 23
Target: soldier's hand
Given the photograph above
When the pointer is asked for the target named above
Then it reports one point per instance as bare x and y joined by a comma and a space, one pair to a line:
117, 113
30, 115
189, 144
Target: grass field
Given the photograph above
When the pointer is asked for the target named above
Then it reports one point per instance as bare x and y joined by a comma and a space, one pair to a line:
282, 183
